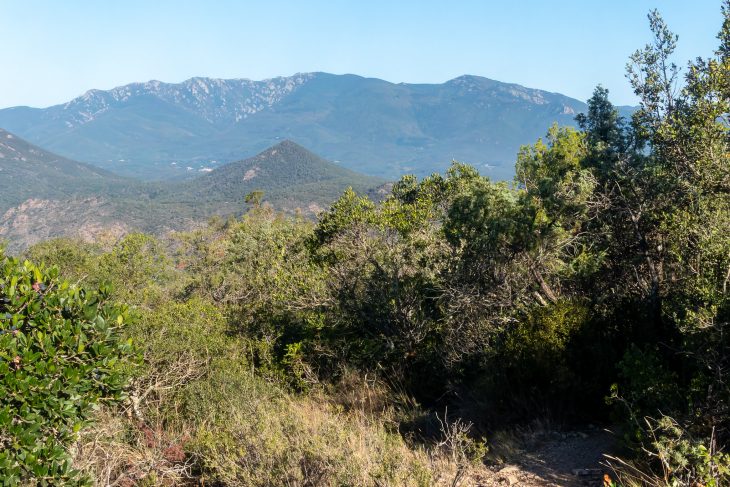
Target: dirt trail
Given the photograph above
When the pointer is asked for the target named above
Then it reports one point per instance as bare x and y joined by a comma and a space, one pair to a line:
557, 459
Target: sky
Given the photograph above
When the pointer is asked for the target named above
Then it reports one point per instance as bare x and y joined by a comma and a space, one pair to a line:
56, 50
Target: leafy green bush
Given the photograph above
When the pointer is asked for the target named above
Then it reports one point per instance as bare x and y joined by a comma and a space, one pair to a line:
686, 460
60, 355
76, 258
535, 359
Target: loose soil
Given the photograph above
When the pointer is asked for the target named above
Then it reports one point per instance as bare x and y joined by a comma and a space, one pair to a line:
565, 459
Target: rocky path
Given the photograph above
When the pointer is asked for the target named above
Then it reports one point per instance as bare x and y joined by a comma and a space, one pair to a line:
556, 459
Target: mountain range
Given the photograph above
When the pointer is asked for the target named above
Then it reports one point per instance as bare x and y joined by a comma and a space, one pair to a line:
43, 195
157, 131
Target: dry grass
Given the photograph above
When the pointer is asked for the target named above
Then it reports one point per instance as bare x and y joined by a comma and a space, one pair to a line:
117, 451
260, 436
200, 415
300, 441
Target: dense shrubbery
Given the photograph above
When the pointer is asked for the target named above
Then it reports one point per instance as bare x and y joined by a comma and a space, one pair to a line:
61, 355
602, 271
224, 345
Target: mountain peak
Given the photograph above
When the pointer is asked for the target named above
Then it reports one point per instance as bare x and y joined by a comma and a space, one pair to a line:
284, 172
287, 145
471, 79
283, 154
468, 77
158, 130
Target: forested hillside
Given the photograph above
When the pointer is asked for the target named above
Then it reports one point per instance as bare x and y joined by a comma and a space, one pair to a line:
69, 198
288, 175
407, 341
27, 171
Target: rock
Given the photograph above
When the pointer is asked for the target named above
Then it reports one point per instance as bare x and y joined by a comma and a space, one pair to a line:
508, 475
589, 476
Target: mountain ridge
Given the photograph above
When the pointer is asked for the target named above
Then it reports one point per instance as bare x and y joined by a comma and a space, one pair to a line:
160, 130
28, 171
43, 195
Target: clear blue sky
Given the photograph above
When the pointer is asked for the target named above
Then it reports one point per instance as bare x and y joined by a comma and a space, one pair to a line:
55, 50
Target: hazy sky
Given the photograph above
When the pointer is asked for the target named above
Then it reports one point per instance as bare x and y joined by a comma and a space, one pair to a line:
55, 50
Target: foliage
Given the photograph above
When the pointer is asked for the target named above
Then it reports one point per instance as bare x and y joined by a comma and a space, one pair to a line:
201, 409
258, 270
602, 269
61, 355
675, 458
675, 197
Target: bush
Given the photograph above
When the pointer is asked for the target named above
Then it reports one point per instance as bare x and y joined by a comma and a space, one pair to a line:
60, 356
204, 413
673, 458
264, 437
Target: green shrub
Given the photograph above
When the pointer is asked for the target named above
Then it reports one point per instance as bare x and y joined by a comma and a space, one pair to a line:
537, 349
673, 457
60, 356
686, 460
76, 258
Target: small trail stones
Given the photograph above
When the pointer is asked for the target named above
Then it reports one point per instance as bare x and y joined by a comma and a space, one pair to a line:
592, 477
508, 475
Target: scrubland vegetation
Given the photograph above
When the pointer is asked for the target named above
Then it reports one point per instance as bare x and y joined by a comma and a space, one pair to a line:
271, 350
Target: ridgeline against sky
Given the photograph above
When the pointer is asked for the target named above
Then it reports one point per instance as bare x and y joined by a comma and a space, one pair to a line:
58, 50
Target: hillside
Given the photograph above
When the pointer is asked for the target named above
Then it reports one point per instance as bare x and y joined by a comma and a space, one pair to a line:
27, 171
290, 176
158, 130
45, 195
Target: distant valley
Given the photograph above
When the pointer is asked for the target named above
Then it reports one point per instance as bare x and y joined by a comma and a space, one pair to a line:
158, 131
43, 195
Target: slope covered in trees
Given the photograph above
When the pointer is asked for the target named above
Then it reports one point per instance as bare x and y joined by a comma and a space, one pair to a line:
289, 176
27, 171
383, 343
68, 198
